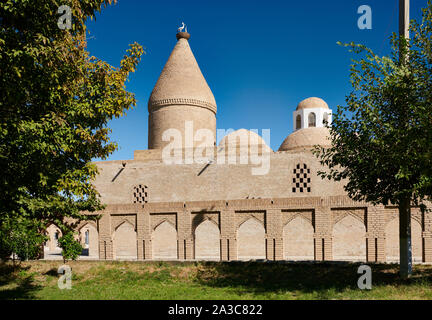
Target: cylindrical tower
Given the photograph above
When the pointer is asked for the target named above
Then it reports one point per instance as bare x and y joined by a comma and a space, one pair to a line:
181, 99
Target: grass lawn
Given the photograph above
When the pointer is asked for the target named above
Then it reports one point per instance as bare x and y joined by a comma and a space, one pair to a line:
250, 280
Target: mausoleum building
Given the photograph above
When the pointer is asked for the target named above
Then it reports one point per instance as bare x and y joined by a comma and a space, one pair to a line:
189, 198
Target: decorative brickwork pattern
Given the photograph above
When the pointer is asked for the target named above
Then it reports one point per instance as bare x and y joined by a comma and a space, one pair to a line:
181, 101
140, 194
301, 178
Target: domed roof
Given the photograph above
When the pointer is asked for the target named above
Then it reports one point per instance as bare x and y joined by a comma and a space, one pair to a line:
242, 137
181, 80
312, 103
306, 138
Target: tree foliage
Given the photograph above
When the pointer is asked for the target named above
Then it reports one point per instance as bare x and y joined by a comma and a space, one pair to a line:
21, 239
382, 138
71, 248
56, 101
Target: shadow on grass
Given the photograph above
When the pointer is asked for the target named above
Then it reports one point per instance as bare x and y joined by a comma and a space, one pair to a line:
51, 272
15, 283
304, 277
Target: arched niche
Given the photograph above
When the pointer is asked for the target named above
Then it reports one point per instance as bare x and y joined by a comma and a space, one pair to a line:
251, 240
349, 239
325, 118
298, 239
392, 241
312, 120
89, 238
125, 242
207, 241
298, 122
164, 242
54, 233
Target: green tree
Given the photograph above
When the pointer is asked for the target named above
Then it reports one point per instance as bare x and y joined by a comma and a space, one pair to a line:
382, 139
71, 248
56, 101
20, 238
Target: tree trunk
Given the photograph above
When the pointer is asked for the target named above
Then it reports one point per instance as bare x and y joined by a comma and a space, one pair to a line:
405, 238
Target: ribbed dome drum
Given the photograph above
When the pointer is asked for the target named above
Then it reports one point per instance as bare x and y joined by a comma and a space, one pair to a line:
181, 94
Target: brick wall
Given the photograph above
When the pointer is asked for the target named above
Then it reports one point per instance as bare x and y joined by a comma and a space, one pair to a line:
275, 229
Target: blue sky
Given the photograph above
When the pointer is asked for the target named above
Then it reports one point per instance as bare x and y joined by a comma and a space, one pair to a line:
260, 58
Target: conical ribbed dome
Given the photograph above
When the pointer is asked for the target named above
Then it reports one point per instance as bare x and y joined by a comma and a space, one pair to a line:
181, 81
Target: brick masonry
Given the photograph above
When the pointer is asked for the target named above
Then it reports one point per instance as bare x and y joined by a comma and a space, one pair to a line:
254, 229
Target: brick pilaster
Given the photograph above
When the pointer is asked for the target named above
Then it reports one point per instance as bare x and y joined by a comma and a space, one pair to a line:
228, 235
143, 235
184, 235
106, 251
323, 233
318, 248
380, 254
375, 233
274, 234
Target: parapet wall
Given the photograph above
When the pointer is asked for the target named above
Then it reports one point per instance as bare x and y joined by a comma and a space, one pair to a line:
265, 175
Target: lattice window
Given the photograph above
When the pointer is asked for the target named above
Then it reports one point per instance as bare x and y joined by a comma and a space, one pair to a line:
140, 194
301, 178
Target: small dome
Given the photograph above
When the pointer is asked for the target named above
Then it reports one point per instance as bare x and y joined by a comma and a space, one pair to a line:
306, 138
242, 137
312, 103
